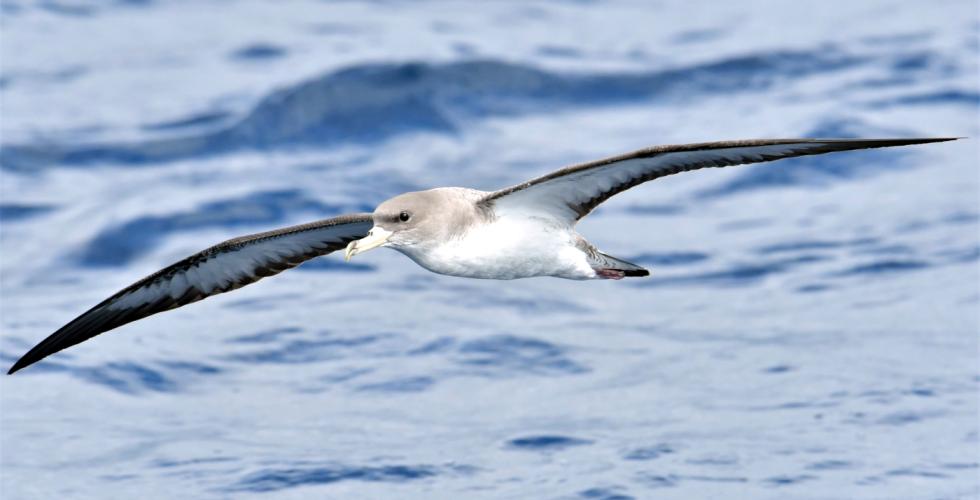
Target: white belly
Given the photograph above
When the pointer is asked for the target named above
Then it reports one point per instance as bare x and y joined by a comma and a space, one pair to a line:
509, 248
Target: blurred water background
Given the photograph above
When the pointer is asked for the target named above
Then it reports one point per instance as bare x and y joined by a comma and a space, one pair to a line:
810, 329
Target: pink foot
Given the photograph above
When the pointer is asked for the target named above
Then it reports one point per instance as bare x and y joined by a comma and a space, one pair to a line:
610, 274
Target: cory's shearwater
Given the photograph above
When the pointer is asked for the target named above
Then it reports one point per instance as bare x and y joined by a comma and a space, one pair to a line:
517, 232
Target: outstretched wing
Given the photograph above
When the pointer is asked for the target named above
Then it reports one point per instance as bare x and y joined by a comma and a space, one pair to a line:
221, 268
571, 193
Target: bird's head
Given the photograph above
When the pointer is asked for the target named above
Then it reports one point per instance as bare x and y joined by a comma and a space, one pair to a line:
405, 221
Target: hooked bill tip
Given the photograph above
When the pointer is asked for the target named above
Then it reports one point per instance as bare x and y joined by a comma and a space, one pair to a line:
349, 251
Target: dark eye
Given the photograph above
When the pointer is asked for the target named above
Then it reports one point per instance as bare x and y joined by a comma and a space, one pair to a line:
404, 216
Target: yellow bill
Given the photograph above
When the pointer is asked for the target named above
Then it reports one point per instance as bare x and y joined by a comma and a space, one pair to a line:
375, 238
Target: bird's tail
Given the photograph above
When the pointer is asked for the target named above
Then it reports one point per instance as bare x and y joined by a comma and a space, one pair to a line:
607, 266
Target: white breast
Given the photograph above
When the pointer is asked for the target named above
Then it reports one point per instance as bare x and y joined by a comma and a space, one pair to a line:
508, 248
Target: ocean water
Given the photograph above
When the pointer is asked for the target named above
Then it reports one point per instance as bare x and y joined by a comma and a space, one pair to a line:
810, 329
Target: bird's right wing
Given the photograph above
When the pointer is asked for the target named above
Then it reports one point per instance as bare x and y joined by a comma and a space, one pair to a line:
572, 192
221, 268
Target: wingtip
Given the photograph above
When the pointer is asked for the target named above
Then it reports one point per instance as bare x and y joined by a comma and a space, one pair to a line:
919, 140
19, 365
929, 140
26, 360
893, 140
872, 143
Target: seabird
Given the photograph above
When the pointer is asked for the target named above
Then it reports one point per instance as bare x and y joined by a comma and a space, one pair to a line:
518, 232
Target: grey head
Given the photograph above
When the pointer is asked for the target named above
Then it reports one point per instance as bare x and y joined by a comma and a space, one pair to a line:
419, 220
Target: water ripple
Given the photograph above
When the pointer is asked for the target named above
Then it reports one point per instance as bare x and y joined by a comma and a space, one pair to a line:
788, 480
507, 355
135, 378
546, 442
10, 212
275, 479
308, 351
649, 452
886, 266
612, 493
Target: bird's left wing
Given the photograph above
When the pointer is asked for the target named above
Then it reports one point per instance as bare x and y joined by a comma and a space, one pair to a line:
571, 193
221, 268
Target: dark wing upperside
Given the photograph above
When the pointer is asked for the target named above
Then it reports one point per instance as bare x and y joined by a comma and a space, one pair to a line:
221, 268
572, 192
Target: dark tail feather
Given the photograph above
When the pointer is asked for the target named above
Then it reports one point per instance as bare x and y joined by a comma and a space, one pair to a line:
629, 269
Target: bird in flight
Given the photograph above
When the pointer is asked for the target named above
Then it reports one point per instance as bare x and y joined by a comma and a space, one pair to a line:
521, 231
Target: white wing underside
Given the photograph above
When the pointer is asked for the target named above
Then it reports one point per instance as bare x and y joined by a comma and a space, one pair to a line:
225, 271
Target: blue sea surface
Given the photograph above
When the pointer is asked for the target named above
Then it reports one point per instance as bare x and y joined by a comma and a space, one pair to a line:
809, 331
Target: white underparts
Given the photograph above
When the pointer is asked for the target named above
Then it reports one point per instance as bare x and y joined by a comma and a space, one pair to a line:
509, 247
